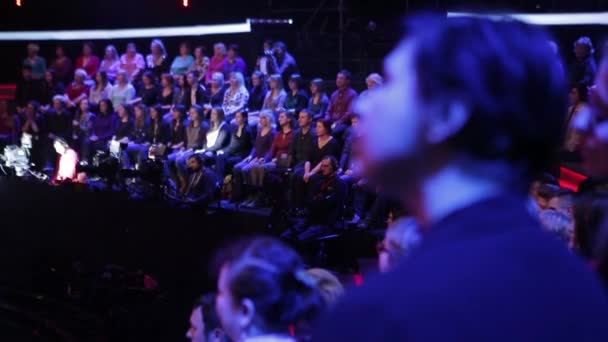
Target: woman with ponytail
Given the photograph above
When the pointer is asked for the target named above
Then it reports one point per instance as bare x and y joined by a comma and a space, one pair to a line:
263, 290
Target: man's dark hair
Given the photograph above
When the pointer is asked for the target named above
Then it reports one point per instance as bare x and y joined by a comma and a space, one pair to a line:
307, 112
333, 161
346, 74
280, 45
234, 47
207, 304
515, 94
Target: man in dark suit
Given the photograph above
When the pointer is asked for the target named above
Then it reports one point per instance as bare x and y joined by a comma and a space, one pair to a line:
201, 185
465, 121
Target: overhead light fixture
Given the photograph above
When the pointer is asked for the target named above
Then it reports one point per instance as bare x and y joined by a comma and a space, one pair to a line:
271, 21
176, 31
546, 19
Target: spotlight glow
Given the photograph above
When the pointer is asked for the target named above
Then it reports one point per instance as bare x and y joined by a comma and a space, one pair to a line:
185, 3
179, 31
18, 3
547, 19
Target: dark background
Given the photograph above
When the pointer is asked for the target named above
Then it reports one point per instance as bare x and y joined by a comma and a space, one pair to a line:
313, 38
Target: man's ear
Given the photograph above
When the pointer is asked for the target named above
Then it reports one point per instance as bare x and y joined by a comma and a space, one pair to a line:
445, 122
247, 313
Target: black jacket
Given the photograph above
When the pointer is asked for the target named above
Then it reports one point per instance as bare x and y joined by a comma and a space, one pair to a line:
240, 146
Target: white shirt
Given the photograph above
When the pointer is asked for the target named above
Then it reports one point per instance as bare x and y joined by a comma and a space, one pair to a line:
119, 95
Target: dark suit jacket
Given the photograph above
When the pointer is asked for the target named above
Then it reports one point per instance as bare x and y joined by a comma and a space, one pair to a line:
485, 273
201, 188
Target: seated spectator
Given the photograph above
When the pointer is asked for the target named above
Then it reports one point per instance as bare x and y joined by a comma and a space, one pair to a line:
77, 90
104, 126
277, 157
148, 92
167, 92
124, 129
137, 147
263, 289
201, 184
281, 62
88, 61
329, 285
236, 96
263, 62
62, 66
214, 94
276, 95
301, 151
132, 62
583, 69
68, 159
241, 173
59, 120
122, 92
296, 99
197, 90
196, 133
372, 81
578, 103
217, 136
182, 92
257, 93
183, 62
101, 90
216, 64
177, 143
50, 88
400, 239
158, 131
325, 145
157, 61
325, 204
33, 60
340, 104
28, 89
111, 63
200, 65
9, 126
204, 322
83, 123
233, 62
34, 125
241, 143
318, 102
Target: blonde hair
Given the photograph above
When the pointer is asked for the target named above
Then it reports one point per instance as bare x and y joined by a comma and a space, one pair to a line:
375, 77
160, 44
329, 285
277, 78
268, 115
80, 72
114, 51
220, 46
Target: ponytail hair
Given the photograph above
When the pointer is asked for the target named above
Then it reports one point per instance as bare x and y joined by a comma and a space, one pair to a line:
273, 277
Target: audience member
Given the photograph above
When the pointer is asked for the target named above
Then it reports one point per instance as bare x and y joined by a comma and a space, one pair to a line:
241, 173
276, 95
241, 143
77, 90
282, 62
183, 62
88, 61
257, 93
372, 81
62, 65
82, 129
263, 62
104, 126
177, 142
132, 62
68, 159
582, 71
318, 102
340, 104
37, 63
578, 103
196, 135
111, 63
325, 145
200, 64
296, 98
233, 62
300, 152
202, 184
218, 135
123, 91
464, 137
236, 96
101, 90
204, 322
329, 285
182, 92
263, 288
158, 131
216, 64
59, 120
197, 90
167, 92
148, 92
9, 125
124, 129
50, 88
214, 95
400, 239
34, 126
137, 147
157, 61
28, 89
